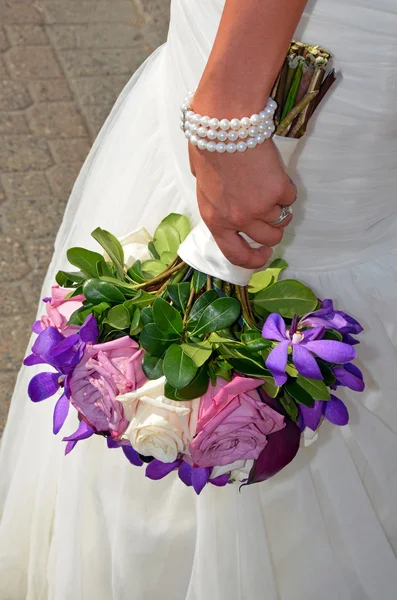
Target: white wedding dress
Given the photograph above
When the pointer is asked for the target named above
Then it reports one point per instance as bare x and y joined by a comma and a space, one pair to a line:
90, 526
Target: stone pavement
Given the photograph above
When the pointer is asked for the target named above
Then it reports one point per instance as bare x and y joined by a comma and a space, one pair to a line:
62, 65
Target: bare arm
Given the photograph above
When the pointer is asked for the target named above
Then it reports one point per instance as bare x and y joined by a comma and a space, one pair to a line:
244, 192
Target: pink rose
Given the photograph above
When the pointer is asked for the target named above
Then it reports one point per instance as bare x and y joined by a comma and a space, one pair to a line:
104, 372
233, 423
59, 310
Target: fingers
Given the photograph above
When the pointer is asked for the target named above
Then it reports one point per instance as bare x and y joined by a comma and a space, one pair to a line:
274, 215
264, 234
238, 251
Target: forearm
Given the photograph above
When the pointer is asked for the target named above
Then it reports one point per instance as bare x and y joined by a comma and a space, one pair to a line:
248, 53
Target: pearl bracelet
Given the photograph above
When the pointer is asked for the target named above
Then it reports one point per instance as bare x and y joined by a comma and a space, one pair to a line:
220, 135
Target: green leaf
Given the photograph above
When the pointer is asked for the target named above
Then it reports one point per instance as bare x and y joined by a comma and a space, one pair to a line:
152, 268
223, 373
135, 321
97, 291
167, 318
142, 299
126, 288
168, 257
147, 315
195, 389
269, 387
254, 341
155, 255
316, 388
135, 272
332, 334
219, 338
199, 353
112, 247
104, 269
152, 366
118, 317
326, 372
179, 294
221, 313
201, 304
243, 361
85, 260
199, 280
154, 341
166, 239
290, 407
291, 370
99, 309
263, 279
63, 277
299, 394
179, 369
180, 223
80, 315
287, 297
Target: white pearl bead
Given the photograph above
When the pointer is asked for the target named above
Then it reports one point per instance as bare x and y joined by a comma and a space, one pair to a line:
221, 147
268, 134
205, 121
189, 114
222, 136
194, 140
184, 106
202, 145
212, 134
232, 135
202, 132
182, 126
252, 143
269, 111
255, 119
241, 147
211, 147
272, 103
188, 135
253, 131
197, 119
214, 123
260, 138
243, 134
225, 124
231, 148
235, 124
272, 128
262, 115
193, 128
245, 122
262, 128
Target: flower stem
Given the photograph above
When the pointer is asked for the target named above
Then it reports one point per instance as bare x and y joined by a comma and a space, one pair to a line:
189, 306
164, 275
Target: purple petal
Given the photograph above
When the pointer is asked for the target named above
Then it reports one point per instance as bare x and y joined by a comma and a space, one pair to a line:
274, 328
277, 361
37, 327
43, 386
281, 449
200, 478
336, 411
352, 326
112, 444
47, 299
305, 363
46, 341
312, 416
60, 413
350, 376
69, 447
349, 339
83, 432
132, 455
157, 470
32, 360
185, 474
332, 351
313, 334
220, 481
89, 330
327, 308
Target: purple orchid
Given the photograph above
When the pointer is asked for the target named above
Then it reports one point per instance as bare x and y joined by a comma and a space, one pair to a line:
349, 376
328, 317
334, 410
129, 452
62, 354
304, 344
191, 476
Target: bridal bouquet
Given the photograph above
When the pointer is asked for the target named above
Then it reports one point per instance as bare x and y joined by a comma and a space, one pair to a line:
185, 372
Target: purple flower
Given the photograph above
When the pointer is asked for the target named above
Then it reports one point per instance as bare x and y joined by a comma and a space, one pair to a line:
349, 376
303, 344
190, 475
334, 410
329, 318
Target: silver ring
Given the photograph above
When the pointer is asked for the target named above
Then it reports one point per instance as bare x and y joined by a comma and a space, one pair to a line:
286, 211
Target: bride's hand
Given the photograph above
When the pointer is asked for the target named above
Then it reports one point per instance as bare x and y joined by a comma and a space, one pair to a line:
243, 193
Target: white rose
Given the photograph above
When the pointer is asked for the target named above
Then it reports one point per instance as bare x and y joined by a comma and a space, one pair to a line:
135, 246
238, 470
158, 427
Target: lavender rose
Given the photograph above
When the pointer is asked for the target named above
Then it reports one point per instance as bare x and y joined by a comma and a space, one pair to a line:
104, 372
233, 423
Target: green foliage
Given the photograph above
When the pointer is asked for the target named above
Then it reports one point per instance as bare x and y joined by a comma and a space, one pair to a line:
287, 297
199, 353
85, 260
221, 313
316, 388
118, 317
155, 341
97, 291
262, 279
152, 366
179, 294
112, 247
196, 388
167, 318
179, 368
